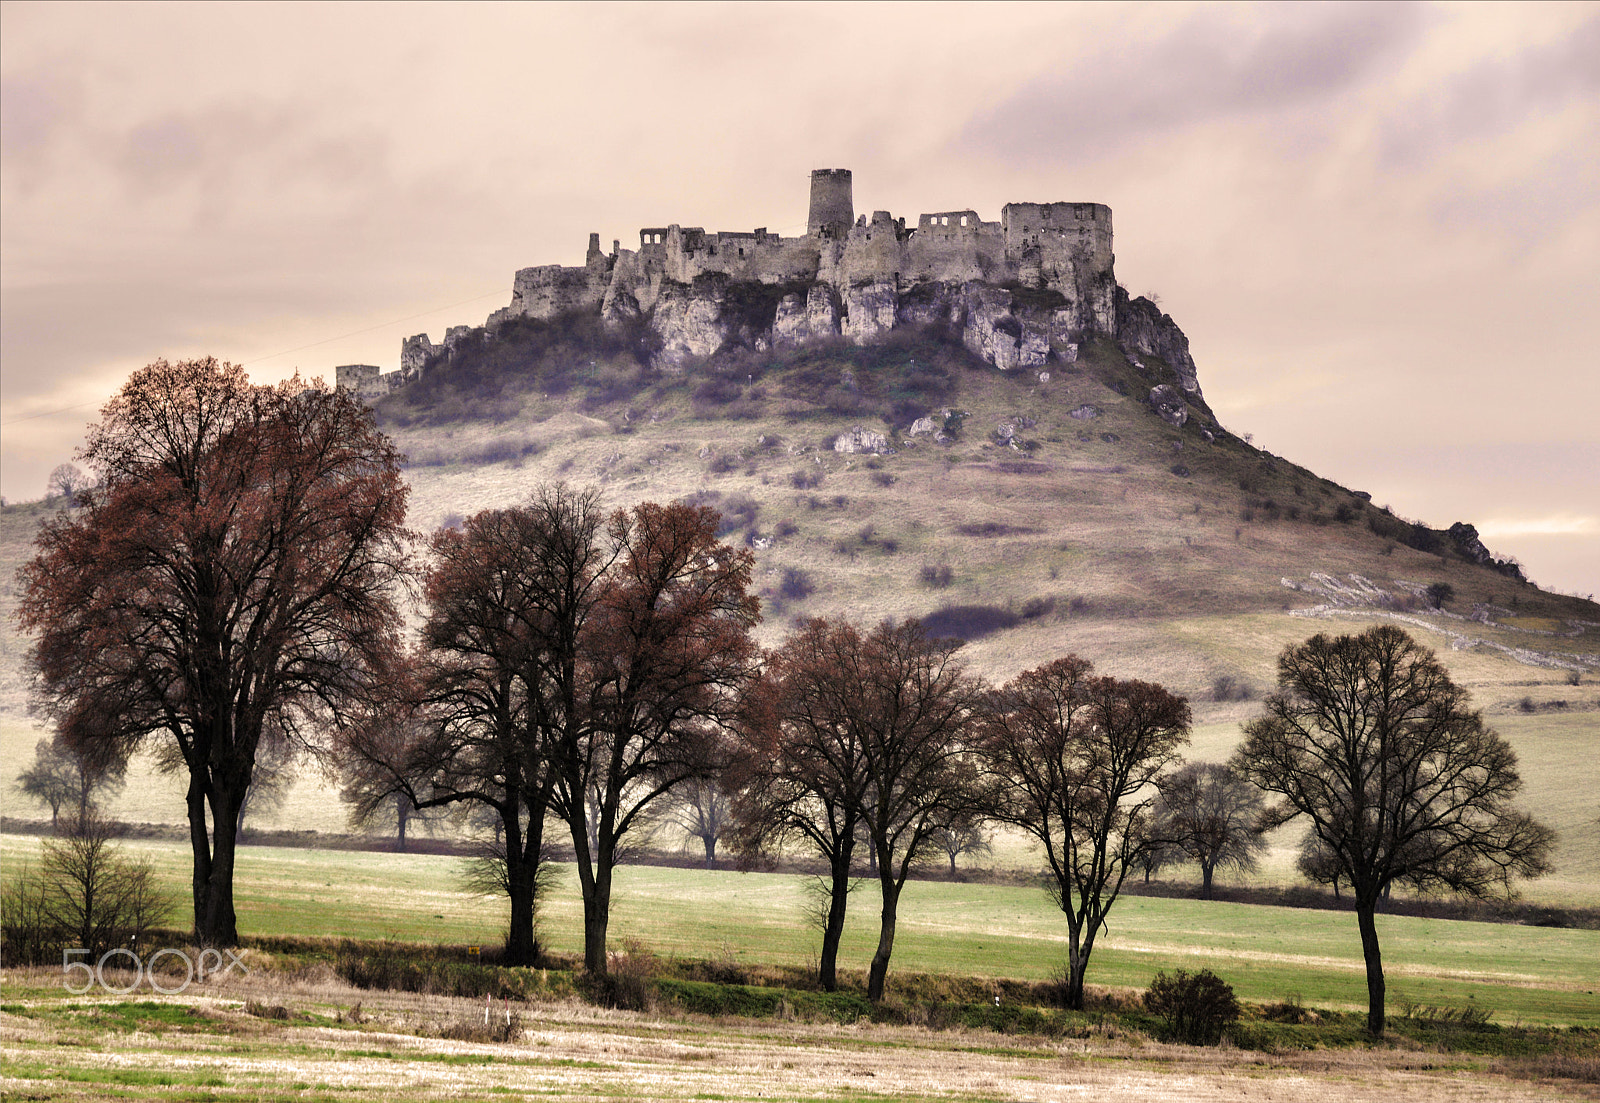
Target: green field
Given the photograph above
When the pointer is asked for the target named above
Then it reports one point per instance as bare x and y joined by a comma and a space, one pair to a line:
1527, 974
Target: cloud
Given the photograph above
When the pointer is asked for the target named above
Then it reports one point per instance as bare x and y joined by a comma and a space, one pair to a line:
1218, 64
1495, 96
1564, 524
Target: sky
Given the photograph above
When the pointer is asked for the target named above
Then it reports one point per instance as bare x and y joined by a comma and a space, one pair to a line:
1379, 225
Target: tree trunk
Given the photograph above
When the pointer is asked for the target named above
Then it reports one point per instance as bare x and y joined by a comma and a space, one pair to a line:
401, 815
215, 923
1365, 912
200, 847
1077, 960
1205, 880
711, 850
522, 883
594, 878
833, 929
880, 959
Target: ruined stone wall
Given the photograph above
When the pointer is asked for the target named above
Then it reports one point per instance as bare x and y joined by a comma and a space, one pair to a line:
1058, 229
863, 276
551, 289
956, 247
366, 381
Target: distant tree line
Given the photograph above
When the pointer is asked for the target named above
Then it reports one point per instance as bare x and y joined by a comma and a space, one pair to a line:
226, 594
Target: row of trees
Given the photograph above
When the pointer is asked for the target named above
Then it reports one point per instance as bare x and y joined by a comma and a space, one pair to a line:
228, 589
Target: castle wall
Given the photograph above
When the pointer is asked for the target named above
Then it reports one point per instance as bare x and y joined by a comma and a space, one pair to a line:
1058, 229
866, 275
551, 289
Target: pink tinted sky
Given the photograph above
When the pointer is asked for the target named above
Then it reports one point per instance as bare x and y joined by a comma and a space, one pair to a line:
1378, 224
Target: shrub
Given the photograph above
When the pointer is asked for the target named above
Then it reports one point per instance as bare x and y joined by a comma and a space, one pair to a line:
796, 584
785, 528
805, 479
989, 529
627, 982
1036, 607
968, 622
883, 478
85, 893
1225, 687
1439, 593
936, 577
1196, 1007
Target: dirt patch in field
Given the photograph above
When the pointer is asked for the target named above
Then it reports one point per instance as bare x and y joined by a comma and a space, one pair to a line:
389, 1049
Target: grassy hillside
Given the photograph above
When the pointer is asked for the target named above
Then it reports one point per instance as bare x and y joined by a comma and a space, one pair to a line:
1097, 527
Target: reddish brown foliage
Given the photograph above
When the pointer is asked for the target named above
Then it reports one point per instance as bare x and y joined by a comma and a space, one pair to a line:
230, 578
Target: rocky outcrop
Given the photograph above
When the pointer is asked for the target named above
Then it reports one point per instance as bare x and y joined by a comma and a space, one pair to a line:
1143, 328
689, 323
800, 318
861, 439
870, 310
1166, 401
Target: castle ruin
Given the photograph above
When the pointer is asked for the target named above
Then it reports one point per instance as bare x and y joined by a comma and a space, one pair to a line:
1021, 292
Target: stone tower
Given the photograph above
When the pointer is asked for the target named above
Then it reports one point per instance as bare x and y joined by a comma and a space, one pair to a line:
833, 207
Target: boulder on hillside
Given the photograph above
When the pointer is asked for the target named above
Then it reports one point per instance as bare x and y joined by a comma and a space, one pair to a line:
862, 439
1167, 401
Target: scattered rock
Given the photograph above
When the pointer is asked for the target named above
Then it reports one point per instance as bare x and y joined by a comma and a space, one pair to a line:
1168, 401
1044, 377
1085, 413
861, 439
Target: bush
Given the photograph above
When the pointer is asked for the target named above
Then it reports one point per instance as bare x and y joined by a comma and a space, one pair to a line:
627, 982
805, 479
936, 577
883, 478
85, 894
1036, 607
968, 622
796, 584
1196, 1007
1225, 687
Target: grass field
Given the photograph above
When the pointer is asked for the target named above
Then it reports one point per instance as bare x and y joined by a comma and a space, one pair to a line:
1561, 774
1528, 974
256, 1038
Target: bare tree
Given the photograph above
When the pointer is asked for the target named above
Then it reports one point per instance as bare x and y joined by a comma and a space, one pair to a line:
700, 809
575, 665
77, 779
67, 481
1370, 740
92, 894
907, 697
654, 686
1074, 761
1210, 814
962, 833
801, 770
